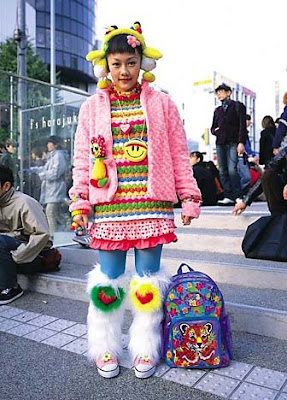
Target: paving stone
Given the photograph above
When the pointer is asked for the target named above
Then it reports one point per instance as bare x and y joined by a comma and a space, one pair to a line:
40, 334
248, 391
60, 325
267, 377
236, 370
59, 340
10, 312
185, 377
76, 330
78, 346
283, 396
218, 385
26, 316
22, 329
42, 320
161, 369
8, 324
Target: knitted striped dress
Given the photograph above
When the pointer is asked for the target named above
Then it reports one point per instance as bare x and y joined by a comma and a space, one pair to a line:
131, 219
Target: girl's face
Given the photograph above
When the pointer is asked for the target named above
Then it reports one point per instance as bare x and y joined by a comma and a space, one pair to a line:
125, 69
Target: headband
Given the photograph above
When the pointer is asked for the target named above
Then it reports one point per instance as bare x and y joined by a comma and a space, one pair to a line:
134, 38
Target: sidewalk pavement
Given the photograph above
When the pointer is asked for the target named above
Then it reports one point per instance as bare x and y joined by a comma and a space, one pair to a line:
43, 345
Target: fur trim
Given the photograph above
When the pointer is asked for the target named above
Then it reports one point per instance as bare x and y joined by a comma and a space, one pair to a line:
145, 335
146, 329
104, 329
104, 332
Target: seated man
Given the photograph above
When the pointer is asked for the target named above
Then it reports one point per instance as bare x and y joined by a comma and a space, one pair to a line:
274, 184
204, 178
24, 238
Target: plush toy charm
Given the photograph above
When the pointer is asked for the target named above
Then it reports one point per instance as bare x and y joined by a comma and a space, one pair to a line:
99, 173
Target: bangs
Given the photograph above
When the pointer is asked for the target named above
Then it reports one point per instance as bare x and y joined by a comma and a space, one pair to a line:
119, 44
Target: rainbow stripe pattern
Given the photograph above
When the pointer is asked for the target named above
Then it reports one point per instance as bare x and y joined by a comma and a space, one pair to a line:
131, 200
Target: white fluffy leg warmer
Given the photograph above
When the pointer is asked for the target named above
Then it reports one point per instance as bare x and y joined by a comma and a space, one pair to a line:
105, 313
146, 331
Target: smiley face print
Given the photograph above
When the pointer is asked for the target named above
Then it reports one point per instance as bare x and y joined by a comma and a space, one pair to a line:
135, 150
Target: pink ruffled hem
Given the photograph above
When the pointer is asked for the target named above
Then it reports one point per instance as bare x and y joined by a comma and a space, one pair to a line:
124, 245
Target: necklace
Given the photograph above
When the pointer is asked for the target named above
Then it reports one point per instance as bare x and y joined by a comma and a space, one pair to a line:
135, 149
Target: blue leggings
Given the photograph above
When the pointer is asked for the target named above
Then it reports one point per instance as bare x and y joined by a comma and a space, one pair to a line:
147, 261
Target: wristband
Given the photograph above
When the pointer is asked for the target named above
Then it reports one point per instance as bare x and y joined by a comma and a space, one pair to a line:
79, 212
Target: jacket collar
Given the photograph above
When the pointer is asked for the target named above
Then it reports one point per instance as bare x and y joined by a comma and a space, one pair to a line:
6, 197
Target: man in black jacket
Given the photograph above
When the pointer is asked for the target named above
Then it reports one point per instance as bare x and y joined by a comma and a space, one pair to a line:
274, 184
229, 127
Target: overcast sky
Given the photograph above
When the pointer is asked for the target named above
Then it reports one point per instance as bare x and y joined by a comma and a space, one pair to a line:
243, 40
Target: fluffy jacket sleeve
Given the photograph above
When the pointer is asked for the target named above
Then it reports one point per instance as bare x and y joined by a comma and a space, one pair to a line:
79, 192
185, 182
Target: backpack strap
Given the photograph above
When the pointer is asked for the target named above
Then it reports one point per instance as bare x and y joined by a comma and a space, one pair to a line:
179, 271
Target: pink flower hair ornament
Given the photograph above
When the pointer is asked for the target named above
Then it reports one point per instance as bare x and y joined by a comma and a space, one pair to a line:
132, 41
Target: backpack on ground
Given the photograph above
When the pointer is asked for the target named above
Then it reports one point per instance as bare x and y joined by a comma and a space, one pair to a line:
196, 327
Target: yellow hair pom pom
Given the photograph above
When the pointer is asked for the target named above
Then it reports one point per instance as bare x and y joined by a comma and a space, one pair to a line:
151, 52
95, 54
148, 77
104, 83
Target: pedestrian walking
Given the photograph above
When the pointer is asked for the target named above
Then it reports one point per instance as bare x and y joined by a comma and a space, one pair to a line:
229, 127
131, 160
53, 186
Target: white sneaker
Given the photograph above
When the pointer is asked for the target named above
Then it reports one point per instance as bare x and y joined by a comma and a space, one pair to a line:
107, 365
226, 202
144, 367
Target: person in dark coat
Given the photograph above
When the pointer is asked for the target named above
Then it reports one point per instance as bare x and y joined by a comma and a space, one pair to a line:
229, 127
280, 139
204, 178
266, 140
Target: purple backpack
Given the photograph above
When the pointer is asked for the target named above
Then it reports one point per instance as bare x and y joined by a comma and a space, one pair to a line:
196, 327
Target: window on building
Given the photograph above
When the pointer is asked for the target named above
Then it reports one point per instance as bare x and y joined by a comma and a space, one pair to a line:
40, 38
40, 19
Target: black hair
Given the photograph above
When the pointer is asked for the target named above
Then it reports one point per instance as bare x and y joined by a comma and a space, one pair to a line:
197, 154
268, 122
119, 44
248, 117
6, 175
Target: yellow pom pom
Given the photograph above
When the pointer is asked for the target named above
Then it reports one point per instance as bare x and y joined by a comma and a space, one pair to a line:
151, 52
148, 76
104, 83
95, 54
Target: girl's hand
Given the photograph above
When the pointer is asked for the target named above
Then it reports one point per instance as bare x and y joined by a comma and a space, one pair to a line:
275, 152
82, 220
185, 219
285, 192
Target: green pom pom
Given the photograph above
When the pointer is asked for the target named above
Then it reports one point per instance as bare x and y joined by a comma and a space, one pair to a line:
105, 298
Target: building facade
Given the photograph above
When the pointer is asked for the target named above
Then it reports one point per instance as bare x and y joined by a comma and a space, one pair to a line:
75, 25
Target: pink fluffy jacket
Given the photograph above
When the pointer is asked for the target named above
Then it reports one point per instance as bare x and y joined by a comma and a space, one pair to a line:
169, 172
